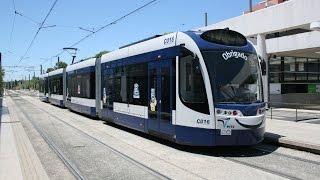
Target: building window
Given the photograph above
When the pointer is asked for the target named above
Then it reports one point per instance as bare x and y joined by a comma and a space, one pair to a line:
275, 69
295, 73
313, 67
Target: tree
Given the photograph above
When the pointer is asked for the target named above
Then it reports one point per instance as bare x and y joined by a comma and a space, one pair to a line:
34, 83
96, 56
1, 80
60, 64
100, 54
50, 69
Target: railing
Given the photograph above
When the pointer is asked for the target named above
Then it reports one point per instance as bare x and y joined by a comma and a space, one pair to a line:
294, 111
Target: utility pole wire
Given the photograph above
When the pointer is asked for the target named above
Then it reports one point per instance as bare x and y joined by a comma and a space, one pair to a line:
27, 18
54, 25
38, 31
14, 20
14, 5
103, 27
114, 22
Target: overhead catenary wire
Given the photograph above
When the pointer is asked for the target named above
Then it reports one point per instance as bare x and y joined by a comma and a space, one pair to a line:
14, 5
103, 27
41, 25
11, 34
114, 22
13, 23
26, 17
52, 25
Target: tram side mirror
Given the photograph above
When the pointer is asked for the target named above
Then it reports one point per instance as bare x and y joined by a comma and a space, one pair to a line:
263, 66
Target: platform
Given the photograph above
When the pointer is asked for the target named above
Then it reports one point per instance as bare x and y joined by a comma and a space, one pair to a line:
18, 160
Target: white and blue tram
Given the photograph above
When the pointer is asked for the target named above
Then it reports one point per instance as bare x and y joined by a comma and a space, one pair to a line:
193, 88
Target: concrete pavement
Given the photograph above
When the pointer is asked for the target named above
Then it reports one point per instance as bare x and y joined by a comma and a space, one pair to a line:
302, 136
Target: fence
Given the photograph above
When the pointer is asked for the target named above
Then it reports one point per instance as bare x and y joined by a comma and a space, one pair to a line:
294, 111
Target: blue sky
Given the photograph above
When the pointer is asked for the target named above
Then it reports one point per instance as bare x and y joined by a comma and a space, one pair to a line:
160, 17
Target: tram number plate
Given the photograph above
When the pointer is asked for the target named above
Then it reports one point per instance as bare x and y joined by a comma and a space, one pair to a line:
225, 132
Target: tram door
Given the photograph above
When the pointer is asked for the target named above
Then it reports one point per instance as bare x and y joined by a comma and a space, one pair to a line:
159, 97
107, 95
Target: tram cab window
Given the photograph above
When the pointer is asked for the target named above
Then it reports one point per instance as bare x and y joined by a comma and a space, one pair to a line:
191, 85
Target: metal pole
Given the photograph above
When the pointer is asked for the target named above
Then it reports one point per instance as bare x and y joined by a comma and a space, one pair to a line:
1, 77
29, 82
296, 113
250, 5
271, 111
206, 19
34, 78
73, 58
40, 69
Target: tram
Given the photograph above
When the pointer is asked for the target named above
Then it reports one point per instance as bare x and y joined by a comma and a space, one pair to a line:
193, 88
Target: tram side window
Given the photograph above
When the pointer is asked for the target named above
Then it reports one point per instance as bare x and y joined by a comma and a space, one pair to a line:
46, 86
92, 85
87, 85
69, 87
60, 89
130, 84
107, 83
55, 87
52, 82
73, 86
174, 84
137, 84
41, 85
191, 86
120, 85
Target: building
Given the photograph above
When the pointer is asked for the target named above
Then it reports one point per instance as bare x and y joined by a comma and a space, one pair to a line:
264, 4
287, 36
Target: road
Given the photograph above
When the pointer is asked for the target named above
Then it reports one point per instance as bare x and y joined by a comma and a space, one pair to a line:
71, 146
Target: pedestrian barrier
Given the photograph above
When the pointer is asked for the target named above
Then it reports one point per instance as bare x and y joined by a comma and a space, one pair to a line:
293, 111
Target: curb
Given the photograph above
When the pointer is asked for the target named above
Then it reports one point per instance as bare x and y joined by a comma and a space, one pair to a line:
283, 141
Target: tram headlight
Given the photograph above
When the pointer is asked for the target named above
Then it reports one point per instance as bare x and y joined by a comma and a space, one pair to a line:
228, 112
234, 113
261, 111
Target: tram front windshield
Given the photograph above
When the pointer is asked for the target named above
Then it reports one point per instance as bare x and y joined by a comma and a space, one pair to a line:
235, 76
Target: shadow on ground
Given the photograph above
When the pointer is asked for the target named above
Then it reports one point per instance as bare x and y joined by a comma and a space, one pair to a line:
224, 151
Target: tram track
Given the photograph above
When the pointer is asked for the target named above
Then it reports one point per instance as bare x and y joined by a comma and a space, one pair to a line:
236, 158
217, 154
287, 156
262, 169
114, 138
68, 163
72, 168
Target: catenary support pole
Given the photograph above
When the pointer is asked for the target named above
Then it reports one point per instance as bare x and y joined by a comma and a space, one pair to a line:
262, 51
